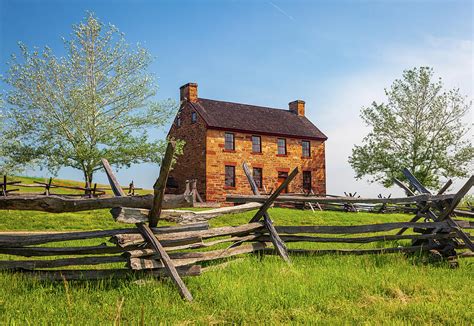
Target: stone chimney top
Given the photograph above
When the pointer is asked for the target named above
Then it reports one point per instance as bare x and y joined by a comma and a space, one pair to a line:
188, 92
297, 107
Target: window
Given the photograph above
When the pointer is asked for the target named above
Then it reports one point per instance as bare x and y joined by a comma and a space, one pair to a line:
193, 117
307, 181
178, 121
281, 146
229, 141
306, 145
256, 144
257, 177
229, 176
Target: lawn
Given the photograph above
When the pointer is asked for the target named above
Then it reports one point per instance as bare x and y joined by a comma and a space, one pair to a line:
59, 182
378, 289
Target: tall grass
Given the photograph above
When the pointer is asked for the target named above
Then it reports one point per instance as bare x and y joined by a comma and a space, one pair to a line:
376, 289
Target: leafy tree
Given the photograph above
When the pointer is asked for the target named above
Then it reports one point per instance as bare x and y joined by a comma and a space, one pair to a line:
73, 110
420, 127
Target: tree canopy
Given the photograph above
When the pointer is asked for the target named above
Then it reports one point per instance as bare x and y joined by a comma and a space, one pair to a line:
420, 127
94, 102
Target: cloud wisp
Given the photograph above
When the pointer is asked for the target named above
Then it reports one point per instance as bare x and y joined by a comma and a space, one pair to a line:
281, 10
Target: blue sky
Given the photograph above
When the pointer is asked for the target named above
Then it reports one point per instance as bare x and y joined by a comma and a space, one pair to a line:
336, 55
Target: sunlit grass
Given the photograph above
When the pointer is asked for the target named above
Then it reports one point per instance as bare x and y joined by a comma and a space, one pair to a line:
375, 289
60, 182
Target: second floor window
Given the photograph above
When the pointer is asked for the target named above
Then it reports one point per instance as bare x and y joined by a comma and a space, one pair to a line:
306, 145
193, 117
257, 177
178, 121
229, 144
229, 176
281, 146
256, 144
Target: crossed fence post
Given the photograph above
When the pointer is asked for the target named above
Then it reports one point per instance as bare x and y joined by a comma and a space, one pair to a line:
445, 210
262, 212
154, 215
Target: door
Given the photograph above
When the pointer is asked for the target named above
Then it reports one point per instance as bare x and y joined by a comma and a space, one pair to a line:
281, 178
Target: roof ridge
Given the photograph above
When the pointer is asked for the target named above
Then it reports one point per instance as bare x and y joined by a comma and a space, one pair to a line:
253, 105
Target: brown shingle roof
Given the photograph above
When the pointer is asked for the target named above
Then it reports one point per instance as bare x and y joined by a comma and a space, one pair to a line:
255, 119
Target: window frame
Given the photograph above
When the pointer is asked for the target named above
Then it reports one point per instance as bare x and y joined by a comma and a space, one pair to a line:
303, 149
278, 146
232, 168
258, 182
259, 144
305, 176
193, 116
225, 141
178, 121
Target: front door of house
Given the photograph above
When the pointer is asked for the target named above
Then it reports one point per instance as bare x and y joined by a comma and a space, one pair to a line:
281, 178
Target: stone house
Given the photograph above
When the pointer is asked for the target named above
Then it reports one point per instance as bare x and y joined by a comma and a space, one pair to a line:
220, 136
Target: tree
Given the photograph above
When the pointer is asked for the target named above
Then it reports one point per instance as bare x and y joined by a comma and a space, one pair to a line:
71, 111
420, 127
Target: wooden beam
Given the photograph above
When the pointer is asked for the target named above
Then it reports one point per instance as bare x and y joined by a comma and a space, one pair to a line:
125, 240
390, 237
147, 233
60, 251
463, 213
187, 258
302, 199
58, 204
274, 237
139, 215
26, 239
53, 263
138, 251
160, 185
445, 187
269, 201
317, 252
408, 191
424, 208
445, 215
353, 229
114, 184
414, 182
464, 224
91, 274
457, 199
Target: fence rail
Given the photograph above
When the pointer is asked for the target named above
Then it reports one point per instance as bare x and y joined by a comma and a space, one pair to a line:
177, 251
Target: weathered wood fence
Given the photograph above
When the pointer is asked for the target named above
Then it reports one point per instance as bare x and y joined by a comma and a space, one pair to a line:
9, 188
176, 251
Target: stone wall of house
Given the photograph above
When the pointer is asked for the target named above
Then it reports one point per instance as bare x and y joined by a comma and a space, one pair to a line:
192, 164
271, 163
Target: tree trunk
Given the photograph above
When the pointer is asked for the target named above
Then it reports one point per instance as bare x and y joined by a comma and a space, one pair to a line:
88, 176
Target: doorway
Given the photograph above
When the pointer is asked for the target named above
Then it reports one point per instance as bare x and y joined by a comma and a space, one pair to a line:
282, 176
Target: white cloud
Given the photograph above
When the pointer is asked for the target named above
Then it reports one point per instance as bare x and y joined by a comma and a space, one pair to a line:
344, 96
451, 59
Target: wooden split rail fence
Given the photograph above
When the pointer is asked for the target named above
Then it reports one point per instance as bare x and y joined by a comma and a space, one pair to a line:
177, 251
49, 187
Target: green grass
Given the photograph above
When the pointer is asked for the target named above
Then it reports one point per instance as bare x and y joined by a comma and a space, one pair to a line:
60, 182
376, 289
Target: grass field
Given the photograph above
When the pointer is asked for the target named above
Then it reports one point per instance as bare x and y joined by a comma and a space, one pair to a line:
380, 289
60, 182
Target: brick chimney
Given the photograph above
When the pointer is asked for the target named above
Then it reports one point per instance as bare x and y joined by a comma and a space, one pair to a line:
297, 107
188, 92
